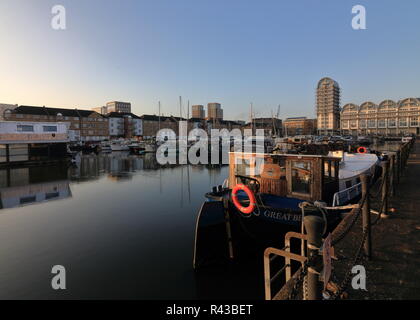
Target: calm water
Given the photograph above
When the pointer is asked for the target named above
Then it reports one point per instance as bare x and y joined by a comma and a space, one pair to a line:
122, 226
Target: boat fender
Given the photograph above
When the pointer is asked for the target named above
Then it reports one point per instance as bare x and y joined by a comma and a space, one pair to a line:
249, 193
361, 150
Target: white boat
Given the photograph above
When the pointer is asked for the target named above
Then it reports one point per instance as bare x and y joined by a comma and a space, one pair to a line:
105, 146
148, 147
119, 146
352, 166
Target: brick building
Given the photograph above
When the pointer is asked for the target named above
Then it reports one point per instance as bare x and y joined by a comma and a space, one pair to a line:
298, 126
84, 125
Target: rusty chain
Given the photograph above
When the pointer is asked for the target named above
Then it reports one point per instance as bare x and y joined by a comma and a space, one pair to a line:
359, 253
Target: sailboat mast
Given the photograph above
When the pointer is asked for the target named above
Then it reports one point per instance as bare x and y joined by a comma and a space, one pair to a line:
159, 115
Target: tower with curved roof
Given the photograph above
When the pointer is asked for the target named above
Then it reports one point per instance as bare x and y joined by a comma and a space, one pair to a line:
328, 106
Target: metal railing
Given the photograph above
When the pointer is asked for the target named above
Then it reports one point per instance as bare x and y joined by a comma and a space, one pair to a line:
310, 274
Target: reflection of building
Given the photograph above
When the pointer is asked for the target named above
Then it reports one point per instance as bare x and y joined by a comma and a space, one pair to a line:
214, 111
328, 106
387, 118
84, 125
25, 186
126, 125
198, 111
297, 126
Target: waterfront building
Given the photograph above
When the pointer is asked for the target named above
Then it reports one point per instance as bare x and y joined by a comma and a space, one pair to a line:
222, 124
4, 107
198, 111
151, 124
101, 110
328, 106
298, 126
21, 139
214, 111
271, 126
387, 118
124, 125
84, 125
118, 106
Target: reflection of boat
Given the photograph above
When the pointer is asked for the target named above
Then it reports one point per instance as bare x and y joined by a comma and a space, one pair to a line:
149, 147
234, 222
31, 194
136, 147
31, 185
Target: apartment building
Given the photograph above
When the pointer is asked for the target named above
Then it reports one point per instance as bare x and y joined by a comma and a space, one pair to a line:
151, 124
328, 106
271, 126
124, 125
118, 106
83, 125
214, 111
299, 126
198, 111
387, 118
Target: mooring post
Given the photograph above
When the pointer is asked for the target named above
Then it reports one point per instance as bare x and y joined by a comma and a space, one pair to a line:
366, 215
391, 173
385, 185
314, 226
398, 166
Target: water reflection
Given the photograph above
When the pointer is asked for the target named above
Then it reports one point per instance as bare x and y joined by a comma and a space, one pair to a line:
26, 186
124, 228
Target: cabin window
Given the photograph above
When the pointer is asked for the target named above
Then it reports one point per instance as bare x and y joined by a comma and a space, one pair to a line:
358, 180
50, 128
301, 177
348, 184
25, 128
28, 199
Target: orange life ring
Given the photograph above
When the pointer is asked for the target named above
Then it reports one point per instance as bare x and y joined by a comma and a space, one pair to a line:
249, 193
361, 150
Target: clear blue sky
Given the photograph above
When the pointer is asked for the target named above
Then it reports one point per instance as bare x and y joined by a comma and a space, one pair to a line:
229, 51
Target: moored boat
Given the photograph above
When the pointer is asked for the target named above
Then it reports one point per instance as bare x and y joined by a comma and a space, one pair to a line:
265, 196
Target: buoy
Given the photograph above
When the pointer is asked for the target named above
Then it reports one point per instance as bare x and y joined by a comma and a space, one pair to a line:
249, 193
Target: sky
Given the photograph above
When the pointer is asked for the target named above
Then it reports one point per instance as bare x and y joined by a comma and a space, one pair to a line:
233, 52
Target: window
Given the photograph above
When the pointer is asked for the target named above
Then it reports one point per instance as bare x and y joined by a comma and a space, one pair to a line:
414, 122
301, 177
392, 123
362, 123
50, 128
25, 128
381, 123
371, 123
403, 122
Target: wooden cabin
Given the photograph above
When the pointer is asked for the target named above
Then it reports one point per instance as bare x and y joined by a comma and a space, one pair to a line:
306, 177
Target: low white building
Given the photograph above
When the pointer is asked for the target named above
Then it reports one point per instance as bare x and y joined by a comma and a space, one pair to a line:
33, 132
16, 138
